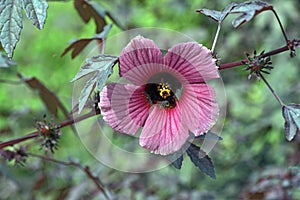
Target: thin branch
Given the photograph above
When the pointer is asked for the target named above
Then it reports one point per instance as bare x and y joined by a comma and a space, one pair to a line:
271, 89
36, 133
232, 64
19, 140
86, 169
239, 63
11, 82
78, 119
281, 27
216, 37
276, 51
72, 121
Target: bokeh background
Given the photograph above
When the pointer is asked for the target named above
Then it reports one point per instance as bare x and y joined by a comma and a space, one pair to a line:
253, 160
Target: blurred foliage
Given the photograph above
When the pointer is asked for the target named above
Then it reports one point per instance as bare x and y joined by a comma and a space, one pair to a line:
253, 150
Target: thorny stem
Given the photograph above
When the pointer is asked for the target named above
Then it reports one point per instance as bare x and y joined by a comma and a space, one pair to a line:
216, 37
36, 133
85, 169
271, 89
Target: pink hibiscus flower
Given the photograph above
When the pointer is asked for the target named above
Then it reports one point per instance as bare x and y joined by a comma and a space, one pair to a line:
165, 96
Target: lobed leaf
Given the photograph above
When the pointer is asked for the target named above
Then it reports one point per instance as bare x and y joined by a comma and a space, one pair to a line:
10, 24
209, 135
78, 45
100, 68
176, 159
249, 10
218, 16
114, 20
48, 97
36, 11
88, 10
291, 114
6, 62
201, 160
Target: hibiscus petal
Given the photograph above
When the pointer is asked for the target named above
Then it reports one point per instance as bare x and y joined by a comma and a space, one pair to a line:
139, 60
199, 108
192, 61
164, 131
124, 107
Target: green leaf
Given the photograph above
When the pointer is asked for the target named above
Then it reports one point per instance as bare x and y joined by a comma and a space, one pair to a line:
36, 11
100, 68
10, 24
88, 10
201, 160
78, 45
291, 114
218, 16
249, 10
6, 62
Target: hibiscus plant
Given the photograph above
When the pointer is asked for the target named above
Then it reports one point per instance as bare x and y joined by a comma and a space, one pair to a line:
165, 100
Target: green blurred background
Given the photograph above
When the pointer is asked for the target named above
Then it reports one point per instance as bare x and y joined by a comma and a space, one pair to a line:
253, 149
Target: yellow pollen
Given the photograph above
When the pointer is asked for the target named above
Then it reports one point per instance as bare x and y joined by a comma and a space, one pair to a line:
164, 90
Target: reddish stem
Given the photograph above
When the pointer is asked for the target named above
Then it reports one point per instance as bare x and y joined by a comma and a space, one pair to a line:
239, 63
36, 133
232, 64
18, 140
83, 117
85, 169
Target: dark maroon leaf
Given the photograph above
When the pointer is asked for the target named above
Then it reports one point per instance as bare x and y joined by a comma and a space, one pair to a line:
291, 114
209, 135
18, 155
88, 10
78, 45
83, 9
177, 163
5, 130
218, 16
7, 154
49, 98
176, 159
201, 160
249, 10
